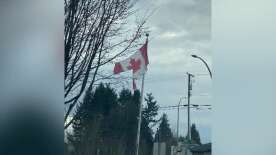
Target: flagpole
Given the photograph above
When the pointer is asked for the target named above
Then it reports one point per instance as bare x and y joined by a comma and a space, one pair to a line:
140, 111
140, 116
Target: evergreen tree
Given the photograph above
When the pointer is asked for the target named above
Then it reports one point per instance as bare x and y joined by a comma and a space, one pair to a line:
107, 124
151, 109
89, 125
149, 113
130, 111
164, 134
195, 137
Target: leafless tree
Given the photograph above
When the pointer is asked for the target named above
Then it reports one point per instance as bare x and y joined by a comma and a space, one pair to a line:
96, 33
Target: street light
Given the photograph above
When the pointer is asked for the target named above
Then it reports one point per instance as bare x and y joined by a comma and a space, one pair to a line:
195, 56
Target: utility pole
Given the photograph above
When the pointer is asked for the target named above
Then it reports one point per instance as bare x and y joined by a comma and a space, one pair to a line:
188, 108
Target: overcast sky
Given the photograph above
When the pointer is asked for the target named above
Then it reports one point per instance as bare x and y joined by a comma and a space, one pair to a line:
179, 28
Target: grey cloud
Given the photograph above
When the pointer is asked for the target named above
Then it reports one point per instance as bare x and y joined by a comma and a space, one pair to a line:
176, 15
179, 28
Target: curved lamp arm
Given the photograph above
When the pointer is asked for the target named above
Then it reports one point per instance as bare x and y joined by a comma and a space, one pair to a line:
195, 56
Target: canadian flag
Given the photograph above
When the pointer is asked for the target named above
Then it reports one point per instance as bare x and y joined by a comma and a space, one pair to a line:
137, 63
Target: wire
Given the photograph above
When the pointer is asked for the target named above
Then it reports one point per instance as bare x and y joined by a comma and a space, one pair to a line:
184, 106
197, 109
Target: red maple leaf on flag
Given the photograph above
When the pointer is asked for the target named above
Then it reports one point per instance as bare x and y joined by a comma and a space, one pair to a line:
134, 65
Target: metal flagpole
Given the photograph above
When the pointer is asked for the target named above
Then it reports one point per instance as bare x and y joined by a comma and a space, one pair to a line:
140, 111
140, 116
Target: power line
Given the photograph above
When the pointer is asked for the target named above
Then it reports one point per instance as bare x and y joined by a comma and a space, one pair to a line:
184, 106
197, 109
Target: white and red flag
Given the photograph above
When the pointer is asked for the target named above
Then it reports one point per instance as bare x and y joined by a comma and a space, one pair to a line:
137, 63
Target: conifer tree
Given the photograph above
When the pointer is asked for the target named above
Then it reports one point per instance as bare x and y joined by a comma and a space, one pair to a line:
107, 124
164, 133
89, 126
149, 114
195, 137
151, 110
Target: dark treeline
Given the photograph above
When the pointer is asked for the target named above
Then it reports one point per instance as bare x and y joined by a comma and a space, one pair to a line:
106, 123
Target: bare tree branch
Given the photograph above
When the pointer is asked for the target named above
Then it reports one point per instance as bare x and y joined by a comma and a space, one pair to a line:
96, 33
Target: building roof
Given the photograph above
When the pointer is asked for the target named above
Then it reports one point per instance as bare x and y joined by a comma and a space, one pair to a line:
202, 148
